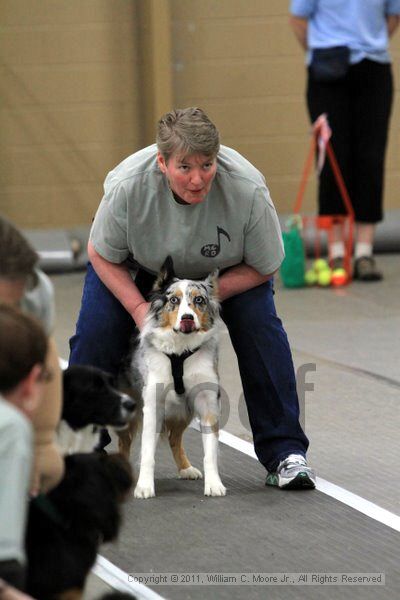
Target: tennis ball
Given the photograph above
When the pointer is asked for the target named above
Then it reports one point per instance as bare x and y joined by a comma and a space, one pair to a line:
324, 277
339, 277
320, 265
310, 277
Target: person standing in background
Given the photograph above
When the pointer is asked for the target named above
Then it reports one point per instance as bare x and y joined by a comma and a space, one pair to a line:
350, 79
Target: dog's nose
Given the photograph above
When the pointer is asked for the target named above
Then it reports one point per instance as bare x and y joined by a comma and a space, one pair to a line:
187, 317
129, 404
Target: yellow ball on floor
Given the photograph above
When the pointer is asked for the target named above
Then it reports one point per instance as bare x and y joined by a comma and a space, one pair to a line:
324, 277
310, 277
339, 277
320, 265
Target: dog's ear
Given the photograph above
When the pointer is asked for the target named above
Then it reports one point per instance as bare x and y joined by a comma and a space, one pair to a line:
165, 276
211, 282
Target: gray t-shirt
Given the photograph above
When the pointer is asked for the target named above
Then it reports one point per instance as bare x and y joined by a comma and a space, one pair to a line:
139, 218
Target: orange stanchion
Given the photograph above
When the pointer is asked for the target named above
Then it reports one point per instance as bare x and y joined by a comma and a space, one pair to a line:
326, 223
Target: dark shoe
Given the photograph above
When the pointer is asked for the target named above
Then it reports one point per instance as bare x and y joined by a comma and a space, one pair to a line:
365, 269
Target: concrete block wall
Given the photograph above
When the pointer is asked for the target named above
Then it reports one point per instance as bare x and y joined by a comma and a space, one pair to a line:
69, 105
73, 95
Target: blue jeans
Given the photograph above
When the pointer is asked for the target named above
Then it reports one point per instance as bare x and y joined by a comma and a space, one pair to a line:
104, 329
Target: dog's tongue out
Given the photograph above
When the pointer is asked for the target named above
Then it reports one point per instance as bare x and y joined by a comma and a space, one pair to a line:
187, 325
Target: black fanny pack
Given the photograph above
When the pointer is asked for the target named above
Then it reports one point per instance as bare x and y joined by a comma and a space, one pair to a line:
329, 64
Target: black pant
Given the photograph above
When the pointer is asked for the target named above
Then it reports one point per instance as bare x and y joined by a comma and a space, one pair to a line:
358, 108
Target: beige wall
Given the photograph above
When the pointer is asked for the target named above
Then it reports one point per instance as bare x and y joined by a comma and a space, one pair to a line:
77, 83
69, 105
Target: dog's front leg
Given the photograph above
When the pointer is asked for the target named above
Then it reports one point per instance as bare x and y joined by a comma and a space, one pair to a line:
208, 410
145, 485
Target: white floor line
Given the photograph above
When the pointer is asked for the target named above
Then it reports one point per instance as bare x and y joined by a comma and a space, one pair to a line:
118, 579
326, 487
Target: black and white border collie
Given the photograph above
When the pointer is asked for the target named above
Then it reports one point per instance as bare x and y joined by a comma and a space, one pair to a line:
66, 526
90, 402
174, 369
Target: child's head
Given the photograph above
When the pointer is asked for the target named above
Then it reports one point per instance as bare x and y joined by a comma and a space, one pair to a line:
17, 262
23, 349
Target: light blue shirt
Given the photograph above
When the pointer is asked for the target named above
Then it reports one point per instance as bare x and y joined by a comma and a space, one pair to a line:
16, 439
358, 24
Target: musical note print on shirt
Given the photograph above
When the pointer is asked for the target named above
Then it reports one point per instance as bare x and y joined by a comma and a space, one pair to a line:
212, 250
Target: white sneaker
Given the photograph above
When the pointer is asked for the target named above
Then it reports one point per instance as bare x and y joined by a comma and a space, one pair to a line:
292, 473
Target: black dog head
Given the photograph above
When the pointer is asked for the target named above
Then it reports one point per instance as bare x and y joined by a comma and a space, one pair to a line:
91, 491
66, 526
91, 399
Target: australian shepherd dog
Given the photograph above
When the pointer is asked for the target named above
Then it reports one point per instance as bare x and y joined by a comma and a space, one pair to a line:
174, 369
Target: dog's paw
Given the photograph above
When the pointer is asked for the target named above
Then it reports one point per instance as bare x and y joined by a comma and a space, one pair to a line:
144, 491
214, 488
190, 473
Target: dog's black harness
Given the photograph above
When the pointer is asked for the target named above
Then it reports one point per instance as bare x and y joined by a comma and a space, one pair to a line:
177, 361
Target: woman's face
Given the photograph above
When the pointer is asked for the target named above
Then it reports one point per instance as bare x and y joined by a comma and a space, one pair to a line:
190, 177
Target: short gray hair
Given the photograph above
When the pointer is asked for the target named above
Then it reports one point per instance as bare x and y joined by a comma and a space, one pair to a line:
187, 131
